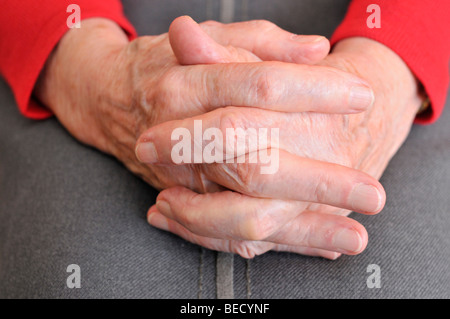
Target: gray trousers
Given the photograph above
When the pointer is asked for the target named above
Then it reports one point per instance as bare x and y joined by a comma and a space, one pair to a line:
63, 203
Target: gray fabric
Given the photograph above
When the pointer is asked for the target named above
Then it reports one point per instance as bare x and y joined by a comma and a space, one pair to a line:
301, 16
224, 276
62, 203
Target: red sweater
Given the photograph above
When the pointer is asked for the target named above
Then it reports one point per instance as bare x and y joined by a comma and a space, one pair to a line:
417, 30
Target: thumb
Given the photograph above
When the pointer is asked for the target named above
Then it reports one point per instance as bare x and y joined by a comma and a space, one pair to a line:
192, 45
269, 42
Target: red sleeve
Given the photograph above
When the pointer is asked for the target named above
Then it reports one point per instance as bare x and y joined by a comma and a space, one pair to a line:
30, 30
418, 31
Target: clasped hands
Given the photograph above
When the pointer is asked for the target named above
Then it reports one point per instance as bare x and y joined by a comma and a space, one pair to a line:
335, 137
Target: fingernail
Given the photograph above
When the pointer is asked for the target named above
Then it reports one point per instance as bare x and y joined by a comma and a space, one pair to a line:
307, 38
331, 255
164, 207
348, 240
149, 217
361, 98
158, 221
146, 153
335, 256
365, 198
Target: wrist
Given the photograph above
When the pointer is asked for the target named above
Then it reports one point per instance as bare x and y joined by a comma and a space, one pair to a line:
76, 74
80, 53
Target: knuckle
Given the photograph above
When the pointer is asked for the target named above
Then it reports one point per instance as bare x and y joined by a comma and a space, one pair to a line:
257, 227
247, 175
244, 250
231, 119
261, 23
268, 89
169, 83
233, 126
250, 249
241, 177
321, 189
187, 216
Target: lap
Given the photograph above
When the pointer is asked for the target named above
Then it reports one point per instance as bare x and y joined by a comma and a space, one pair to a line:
63, 203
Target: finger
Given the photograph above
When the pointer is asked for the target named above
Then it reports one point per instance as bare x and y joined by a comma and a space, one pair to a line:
246, 249
323, 231
192, 45
232, 216
283, 87
279, 175
269, 42
283, 175
226, 215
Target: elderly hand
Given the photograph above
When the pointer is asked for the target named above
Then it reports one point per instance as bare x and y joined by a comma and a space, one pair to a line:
234, 222
241, 223
107, 91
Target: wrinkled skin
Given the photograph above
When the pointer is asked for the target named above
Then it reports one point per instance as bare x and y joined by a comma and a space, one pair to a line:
118, 90
365, 141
